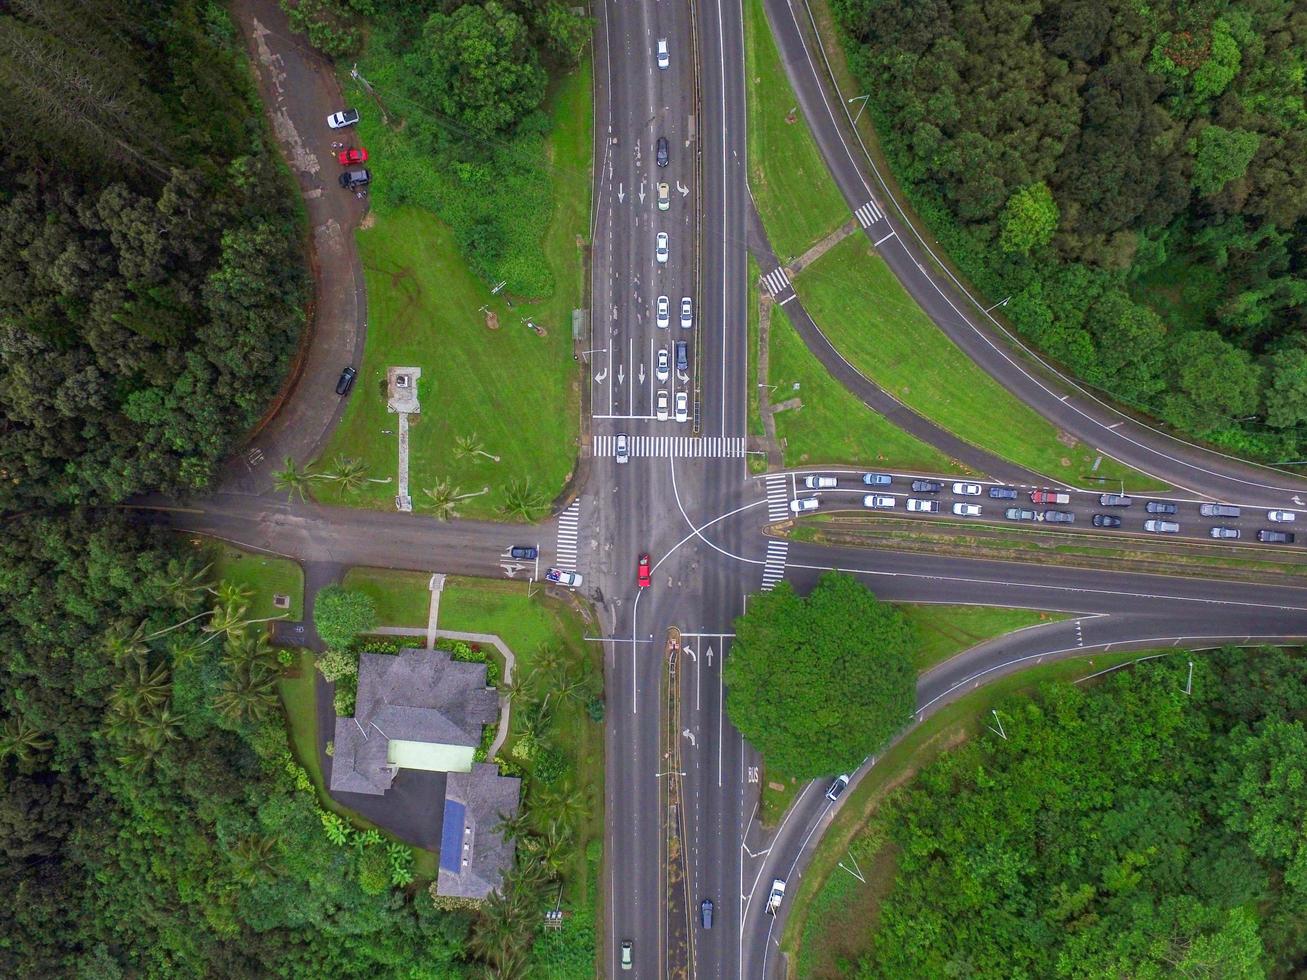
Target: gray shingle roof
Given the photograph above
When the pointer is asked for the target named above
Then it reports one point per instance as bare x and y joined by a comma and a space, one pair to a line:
484, 798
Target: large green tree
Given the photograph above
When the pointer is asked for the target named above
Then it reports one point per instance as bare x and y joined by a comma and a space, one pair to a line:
341, 614
818, 683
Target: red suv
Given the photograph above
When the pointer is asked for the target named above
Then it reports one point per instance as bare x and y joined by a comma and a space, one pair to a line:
642, 572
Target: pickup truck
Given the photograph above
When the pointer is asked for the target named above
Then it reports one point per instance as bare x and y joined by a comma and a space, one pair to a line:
1049, 497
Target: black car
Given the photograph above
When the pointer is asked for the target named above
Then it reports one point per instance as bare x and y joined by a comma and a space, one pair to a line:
524, 551
1274, 537
705, 913
1160, 507
1003, 493
1106, 520
927, 486
355, 178
346, 381
682, 357
660, 154
1059, 517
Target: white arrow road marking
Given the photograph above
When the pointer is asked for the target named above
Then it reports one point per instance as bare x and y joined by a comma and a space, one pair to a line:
621, 374
512, 569
601, 375
689, 652
690, 735
642, 192
621, 194
642, 373
682, 188
1296, 499
709, 656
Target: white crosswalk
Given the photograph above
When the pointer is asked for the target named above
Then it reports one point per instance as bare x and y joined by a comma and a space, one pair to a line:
689, 447
778, 497
568, 523
869, 214
774, 570
776, 282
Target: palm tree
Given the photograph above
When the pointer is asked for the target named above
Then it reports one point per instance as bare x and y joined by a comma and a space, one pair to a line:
142, 690
348, 473
522, 500
293, 480
186, 581
565, 803
122, 643
514, 826
249, 646
140, 757
470, 445
257, 856
161, 727
235, 595
20, 740
444, 499
248, 694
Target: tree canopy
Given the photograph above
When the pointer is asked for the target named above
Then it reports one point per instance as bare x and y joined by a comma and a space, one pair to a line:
341, 614
818, 683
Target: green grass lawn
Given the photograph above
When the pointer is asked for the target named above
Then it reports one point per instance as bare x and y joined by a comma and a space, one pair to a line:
264, 575
401, 598
943, 631
866, 314
516, 392
833, 426
795, 194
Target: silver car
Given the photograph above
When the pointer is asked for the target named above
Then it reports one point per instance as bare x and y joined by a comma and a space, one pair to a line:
660, 249
687, 313
663, 312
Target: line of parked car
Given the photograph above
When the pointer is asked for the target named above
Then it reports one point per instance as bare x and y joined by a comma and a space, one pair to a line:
351, 157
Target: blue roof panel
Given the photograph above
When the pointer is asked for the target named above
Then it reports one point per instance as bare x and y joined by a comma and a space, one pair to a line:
451, 837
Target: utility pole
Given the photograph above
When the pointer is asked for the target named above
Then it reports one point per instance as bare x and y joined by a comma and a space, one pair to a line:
355, 74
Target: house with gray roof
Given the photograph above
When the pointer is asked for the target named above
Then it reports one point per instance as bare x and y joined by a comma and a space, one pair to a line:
474, 854
418, 709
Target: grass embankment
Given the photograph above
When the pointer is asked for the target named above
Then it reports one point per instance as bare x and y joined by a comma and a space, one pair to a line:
400, 598
516, 392
864, 312
942, 631
795, 194
833, 426
264, 575
833, 913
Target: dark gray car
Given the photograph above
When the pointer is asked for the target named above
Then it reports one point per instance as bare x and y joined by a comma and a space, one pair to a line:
682, 356
661, 152
1059, 517
1160, 507
1002, 493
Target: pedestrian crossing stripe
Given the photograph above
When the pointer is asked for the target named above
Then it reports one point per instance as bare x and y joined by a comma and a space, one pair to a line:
778, 498
568, 523
774, 568
869, 214
776, 281
681, 447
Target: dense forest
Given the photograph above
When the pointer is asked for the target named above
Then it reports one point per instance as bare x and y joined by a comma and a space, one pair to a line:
155, 282
1133, 176
1127, 829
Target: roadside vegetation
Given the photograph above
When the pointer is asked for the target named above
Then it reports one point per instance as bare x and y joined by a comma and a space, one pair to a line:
795, 194
863, 310
1133, 180
1191, 800
264, 576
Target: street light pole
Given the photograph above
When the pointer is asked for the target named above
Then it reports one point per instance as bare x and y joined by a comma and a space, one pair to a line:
859, 98
1002, 302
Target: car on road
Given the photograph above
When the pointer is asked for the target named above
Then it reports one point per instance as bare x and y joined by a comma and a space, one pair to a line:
623, 450
966, 510
663, 368
343, 118
664, 196
876, 479
642, 572
663, 312
1281, 516
775, 896
705, 913
1219, 510
525, 552
923, 506
1106, 520
355, 178
352, 156
1160, 507
346, 381
1049, 497
967, 489
660, 248
927, 486
664, 57
1161, 527
1020, 514
687, 313
1003, 493
563, 577
1059, 517
1227, 533
802, 504
837, 788
661, 412
876, 501
682, 356
661, 151
1114, 500
682, 406
1268, 536
626, 954
815, 482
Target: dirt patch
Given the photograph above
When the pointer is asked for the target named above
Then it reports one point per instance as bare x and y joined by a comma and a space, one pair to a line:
792, 117
492, 320
1067, 439
368, 221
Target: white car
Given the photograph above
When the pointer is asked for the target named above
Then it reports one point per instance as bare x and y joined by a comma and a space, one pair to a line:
682, 406
664, 59
563, 577
967, 510
663, 314
1281, 516
623, 447
346, 117
660, 249
918, 506
664, 197
967, 489
687, 313
877, 501
815, 482
775, 896
806, 503
663, 370
661, 412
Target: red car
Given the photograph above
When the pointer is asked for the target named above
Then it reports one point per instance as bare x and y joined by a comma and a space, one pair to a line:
352, 155
642, 572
